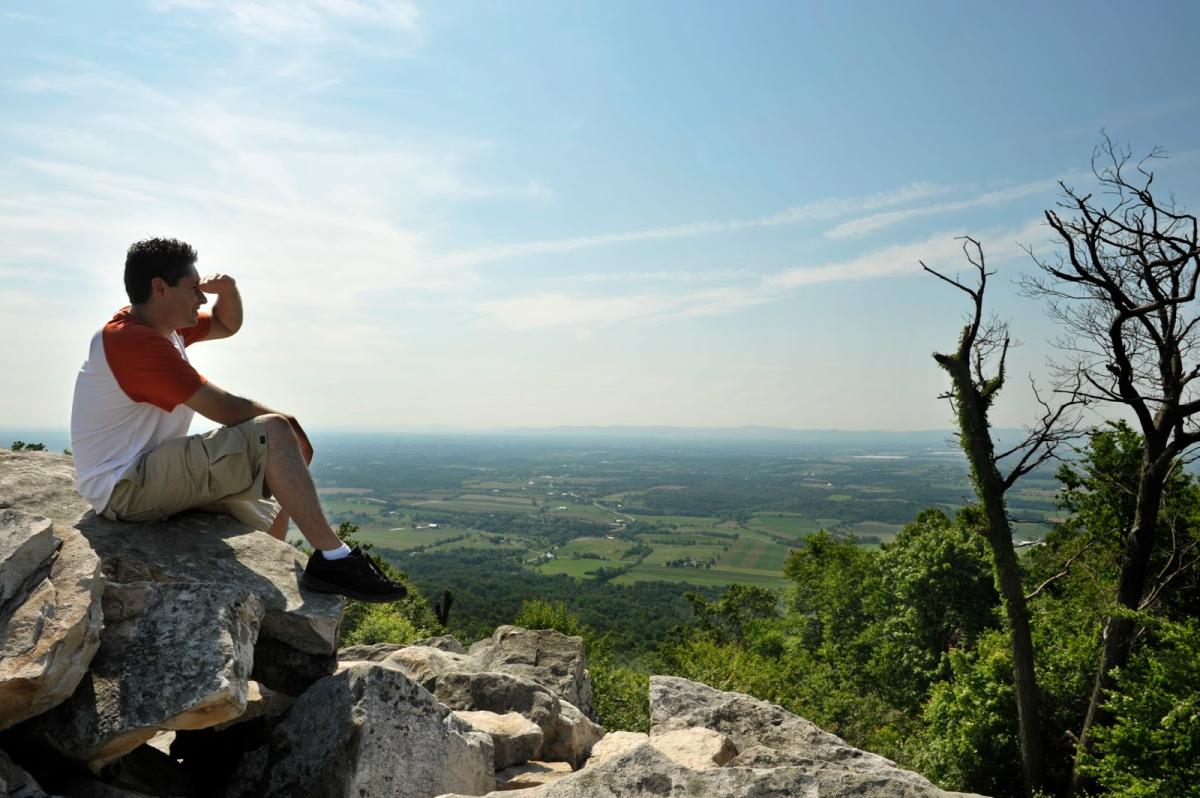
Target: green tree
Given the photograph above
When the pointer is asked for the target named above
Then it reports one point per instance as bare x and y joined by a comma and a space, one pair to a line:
1124, 288
1152, 746
936, 585
831, 595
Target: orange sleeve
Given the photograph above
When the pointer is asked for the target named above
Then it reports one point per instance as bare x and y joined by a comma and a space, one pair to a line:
198, 332
148, 367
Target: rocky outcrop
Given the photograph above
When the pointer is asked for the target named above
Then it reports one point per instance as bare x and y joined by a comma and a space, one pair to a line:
777, 737
172, 656
694, 735
205, 547
50, 613
369, 730
545, 656
41, 483
113, 633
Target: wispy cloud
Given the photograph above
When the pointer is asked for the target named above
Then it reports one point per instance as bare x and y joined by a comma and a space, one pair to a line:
297, 21
551, 310
877, 221
812, 211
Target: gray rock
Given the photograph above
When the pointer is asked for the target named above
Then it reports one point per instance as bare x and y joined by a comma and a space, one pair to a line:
698, 749
261, 701
572, 737
616, 744
530, 774
50, 623
546, 656
15, 782
442, 643
778, 739
646, 771
500, 693
206, 547
172, 656
515, 738
425, 665
27, 546
368, 730
41, 483
367, 653
283, 668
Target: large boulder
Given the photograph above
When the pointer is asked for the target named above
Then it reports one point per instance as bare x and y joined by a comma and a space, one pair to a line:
572, 737
500, 693
515, 738
299, 630
368, 730
422, 664
616, 744
208, 547
172, 656
773, 738
50, 614
550, 658
698, 749
645, 771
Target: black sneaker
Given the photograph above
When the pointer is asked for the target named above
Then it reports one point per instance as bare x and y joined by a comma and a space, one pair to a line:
355, 575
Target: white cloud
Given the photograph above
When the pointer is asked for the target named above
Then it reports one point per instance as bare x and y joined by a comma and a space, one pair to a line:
297, 21
861, 226
821, 209
549, 310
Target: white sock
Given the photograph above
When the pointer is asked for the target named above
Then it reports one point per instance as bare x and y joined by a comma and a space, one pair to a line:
336, 554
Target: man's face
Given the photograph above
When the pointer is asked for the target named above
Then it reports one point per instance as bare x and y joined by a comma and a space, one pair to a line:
184, 299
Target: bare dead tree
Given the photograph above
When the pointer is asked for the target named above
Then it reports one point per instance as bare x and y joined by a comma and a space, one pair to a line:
977, 374
1123, 290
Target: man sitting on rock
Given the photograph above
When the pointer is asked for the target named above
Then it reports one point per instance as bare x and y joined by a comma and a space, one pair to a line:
135, 398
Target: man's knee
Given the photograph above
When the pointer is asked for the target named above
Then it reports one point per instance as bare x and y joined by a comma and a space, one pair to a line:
279, 431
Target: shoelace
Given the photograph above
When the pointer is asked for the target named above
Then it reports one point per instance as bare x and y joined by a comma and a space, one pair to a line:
375, 568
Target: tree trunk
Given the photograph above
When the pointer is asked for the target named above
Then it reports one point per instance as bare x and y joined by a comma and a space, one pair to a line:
1119, 631
989, 486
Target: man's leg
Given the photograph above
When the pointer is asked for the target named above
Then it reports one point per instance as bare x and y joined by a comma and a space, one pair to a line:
291, 484
279, 526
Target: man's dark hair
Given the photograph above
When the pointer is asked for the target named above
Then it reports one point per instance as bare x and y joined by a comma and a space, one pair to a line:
167, 258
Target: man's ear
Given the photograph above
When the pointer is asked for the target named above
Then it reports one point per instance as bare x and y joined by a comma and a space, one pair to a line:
157, 286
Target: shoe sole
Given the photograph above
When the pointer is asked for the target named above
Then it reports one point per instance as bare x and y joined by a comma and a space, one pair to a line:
321, 586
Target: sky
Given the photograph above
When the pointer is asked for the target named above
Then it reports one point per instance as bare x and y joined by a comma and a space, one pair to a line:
508, 214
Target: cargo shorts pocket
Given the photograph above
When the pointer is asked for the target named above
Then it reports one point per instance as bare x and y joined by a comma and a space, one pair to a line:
231, 467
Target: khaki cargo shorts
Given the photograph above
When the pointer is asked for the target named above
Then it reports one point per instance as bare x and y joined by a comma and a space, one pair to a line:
219, 471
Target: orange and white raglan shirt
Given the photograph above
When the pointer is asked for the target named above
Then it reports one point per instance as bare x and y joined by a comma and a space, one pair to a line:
129, 399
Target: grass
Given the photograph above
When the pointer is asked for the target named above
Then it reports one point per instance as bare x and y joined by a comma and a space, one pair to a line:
592, 545
699, 576
575, 568
885, 532
405, 539
754, 556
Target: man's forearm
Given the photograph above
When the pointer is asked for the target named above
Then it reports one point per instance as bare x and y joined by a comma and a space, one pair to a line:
228, 309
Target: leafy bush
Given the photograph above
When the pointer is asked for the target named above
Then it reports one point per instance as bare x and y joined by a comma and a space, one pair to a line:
1152, 746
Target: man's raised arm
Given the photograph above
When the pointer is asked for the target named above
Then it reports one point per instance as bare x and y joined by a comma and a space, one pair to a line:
225, 408
227, 311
